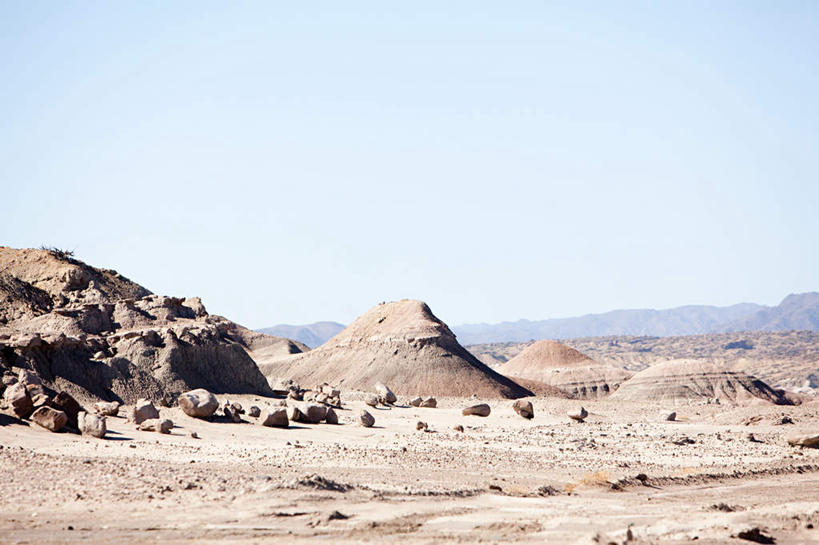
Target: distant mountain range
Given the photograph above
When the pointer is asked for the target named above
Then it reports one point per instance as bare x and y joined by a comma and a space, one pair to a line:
795, 312
312, 335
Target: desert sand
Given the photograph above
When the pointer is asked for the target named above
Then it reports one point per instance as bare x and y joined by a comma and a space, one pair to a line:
503, 479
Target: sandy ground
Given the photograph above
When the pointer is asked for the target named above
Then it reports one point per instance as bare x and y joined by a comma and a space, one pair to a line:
504, 479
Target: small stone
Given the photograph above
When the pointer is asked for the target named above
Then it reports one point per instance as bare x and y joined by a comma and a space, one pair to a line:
237, 408
421, 426
416, 401
107, 408
194, 435
198, 403
254, 411
144, 410
458, 428
481, 409
51, 419
371, 400
92, 424
331, 417
385, 395
669, 416
524, 408
158, 425
429, 403
366, 419
578, 415
275, 418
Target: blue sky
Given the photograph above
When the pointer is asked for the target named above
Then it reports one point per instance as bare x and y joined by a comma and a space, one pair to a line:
304, 161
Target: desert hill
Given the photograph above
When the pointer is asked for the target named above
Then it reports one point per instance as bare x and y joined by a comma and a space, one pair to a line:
795, 312
402, 344
95, 333
311, 335
788, 360
557, 365
683, 380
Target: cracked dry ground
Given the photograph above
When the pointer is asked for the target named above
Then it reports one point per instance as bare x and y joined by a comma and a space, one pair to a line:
504, 479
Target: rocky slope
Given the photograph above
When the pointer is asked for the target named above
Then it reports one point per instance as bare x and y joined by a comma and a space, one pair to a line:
96, 334
401, 344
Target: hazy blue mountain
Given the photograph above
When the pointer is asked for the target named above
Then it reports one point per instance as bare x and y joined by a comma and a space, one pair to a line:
312, 335
687, 320
797, 311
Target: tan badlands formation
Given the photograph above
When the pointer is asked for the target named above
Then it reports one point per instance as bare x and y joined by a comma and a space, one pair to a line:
403, 344
556, 365
110, 432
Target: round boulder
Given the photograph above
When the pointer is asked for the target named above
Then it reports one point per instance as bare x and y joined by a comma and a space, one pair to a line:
524, 408
198, 403
366, 419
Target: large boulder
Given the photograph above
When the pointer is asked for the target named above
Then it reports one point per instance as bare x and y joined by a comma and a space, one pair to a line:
385, 395
524, 408
50, 419
16, 396
107, 408
274, 418
331, 417
92, 424
198, 403
477, 410
578, 415
144, 410
315, 413
156, 424
366, 419
69, 406
810, 440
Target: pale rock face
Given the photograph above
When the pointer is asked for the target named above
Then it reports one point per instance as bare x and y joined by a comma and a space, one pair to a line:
481, 409
198, 403
92, 424
51, 419
366, 419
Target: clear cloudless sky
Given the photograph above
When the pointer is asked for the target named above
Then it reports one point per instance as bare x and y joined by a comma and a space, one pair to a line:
299, 161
